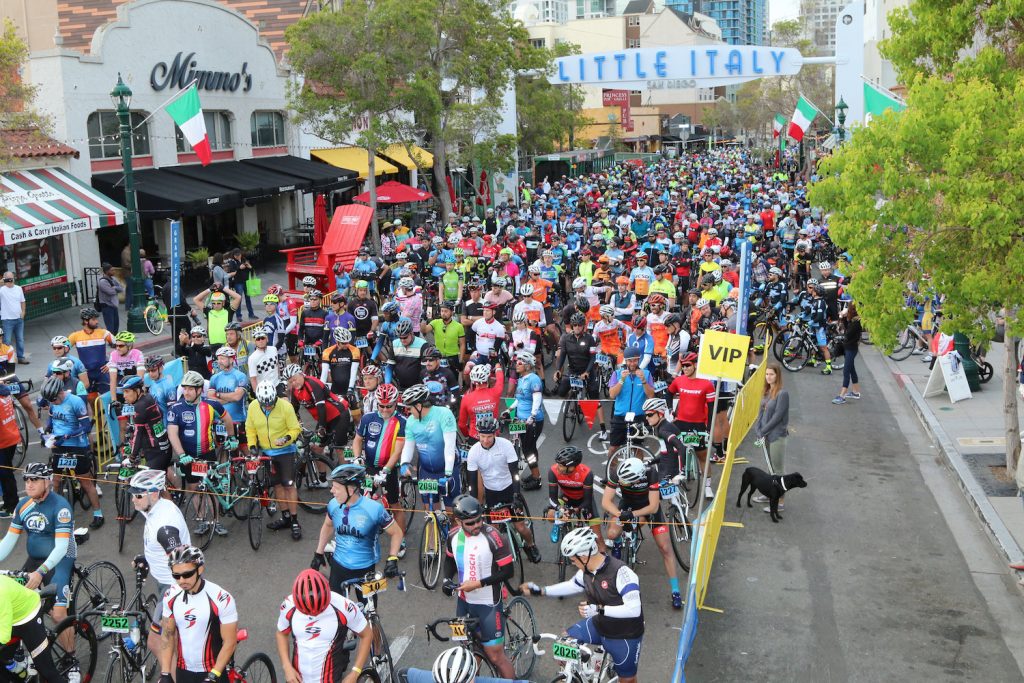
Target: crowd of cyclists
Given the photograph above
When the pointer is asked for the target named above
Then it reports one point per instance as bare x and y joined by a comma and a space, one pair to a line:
430, 360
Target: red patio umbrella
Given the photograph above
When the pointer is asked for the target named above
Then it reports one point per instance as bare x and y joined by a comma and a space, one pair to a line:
320, 222
394, 192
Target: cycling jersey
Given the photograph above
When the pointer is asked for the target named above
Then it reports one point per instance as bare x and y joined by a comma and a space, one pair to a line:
146, 431
493, 463
277, 329
671, 449
428, 435
44, 523
263, 365
365, 312
482, 400
18, 605
263, 428
407, 361
356, 528
312, 322
196, 425
126, 364
317, 640
489, 336
611, 336
197, 618
380, 437
314, 396
635, 496
479, 558
526, 387
442, 383
411, 307
339, 361
226, 381
165, 530
92, 348
580, 351
532, 309
695, 395
631, 398
164, 391
525, 340
450, 282
575, 488
614, 585
447, 336
69, 422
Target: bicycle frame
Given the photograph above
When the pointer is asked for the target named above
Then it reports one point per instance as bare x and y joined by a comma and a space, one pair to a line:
576, 658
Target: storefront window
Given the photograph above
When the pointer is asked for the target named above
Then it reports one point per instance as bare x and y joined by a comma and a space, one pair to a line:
267, 129
218, 129
104, 135
36, 262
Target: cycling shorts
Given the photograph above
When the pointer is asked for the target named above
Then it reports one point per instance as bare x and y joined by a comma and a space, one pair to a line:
624, 652
820, 337
340, 574
157, 459
67, 459
617, 434
282, 469
59, 576
593, 389
506, 496
291, 343
158, 613
491, 627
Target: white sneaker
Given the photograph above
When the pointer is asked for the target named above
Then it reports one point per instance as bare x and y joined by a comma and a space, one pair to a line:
769, 508
74, 675
708, 492
758, 498
603, 435
927, 359
99, 491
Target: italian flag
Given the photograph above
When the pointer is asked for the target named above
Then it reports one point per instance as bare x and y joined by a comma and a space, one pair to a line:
777, 125
188, 114
801, 120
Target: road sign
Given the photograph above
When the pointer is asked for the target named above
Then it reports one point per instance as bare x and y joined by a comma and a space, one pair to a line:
722, 355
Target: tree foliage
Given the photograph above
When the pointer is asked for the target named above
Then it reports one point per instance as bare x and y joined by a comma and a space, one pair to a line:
548, 115
17, 96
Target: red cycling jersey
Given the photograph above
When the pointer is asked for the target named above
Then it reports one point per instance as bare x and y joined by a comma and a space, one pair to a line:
481, 400
694, 396
574, 488
312, 395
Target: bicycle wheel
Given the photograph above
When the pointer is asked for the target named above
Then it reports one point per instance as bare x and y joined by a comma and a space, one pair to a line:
255, 517
314, 494
627, 451
691, 484
21, 448
905, 344
837, 351
520, 629
258, 669
199, 517
154, 321
125, 512
759, 336
80, 497
380, 652
985, 371
679, 536
84, 653
100, 587
407, 496
570, 415
796, 354
368, 676
430, 552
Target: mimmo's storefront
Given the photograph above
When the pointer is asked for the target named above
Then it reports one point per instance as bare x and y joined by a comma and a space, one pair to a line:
158, 47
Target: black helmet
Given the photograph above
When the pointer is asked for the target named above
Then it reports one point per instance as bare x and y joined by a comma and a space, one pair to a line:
349, 474
486, 424
37, 470
673, 319
577, 319
570, 456
450, 305
582, 304
466, 507
88, 313
154, 362
430, 351
52, 388
708, 279
659, 269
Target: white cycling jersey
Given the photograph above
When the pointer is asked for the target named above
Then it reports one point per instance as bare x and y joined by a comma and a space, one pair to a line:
493, 463
487, 335
165, 530
317, 640
197, 619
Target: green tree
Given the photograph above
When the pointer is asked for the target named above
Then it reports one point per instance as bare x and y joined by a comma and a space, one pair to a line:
17, 97
548, 115
935, 194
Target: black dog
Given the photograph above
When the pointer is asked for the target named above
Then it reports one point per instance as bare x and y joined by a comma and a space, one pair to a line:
772, 486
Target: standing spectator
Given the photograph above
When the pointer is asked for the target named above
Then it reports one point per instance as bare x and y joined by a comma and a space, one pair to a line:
851, 345
243, 271
10, 437
12, 314
148, 271
772, 426
220, 276
109, 288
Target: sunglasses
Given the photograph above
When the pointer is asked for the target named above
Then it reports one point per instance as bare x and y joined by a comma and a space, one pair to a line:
184, 575
197, 336
651, 414
472, 522
139, 496
120, 346
58, 348
686, 365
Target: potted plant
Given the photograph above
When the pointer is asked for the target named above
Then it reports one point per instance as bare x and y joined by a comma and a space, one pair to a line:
248, 242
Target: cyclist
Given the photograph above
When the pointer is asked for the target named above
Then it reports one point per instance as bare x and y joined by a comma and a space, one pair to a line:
273, 427
315, 621
197, 352
529, 407
67, 437
339, 315
263, 362
672, 452
91, 344
145, 434
629, 386
330, 411
379, 440
527, 338
493, 466
161, 387
818, 322
8, 364
61, 346
454, 665
449, 335
580, 348
433, 373
193, 426
355, 522
20, 618
613, 614
482, 399
220, 311
10, 439
430, 431
278, 327
233, 333
611, 333
201, 620
312, 319
364, 309
341, 362
372, 378
230, 387
407, 354
571, 483
489, 335
482, 558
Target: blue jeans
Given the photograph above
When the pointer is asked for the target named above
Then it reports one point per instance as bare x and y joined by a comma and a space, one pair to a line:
14, 333
148, 284
850, 370
111, 318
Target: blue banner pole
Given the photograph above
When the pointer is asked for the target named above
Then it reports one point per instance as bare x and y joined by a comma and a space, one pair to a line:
743, 305
175, 263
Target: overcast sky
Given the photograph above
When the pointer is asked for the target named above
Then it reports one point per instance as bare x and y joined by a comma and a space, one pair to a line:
782, 9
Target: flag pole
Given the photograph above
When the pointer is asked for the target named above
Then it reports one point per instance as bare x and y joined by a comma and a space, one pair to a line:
169, 100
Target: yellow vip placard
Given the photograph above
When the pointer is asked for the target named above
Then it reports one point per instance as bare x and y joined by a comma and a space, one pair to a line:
722, 355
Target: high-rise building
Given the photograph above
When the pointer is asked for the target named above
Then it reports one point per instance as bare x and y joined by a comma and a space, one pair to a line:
877, 69
820, 23
743, 22
595, 9
532, 12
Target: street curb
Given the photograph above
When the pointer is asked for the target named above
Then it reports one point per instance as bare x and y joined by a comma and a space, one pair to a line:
975, 494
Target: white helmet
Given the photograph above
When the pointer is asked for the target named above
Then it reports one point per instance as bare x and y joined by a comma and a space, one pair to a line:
526, 358
342, 335
226, 351
607, 310
309, 281
534, 269
480, 374
655, 405
60, 341
712, 231
526, 289
406, 283
519, 317
455, 665
631, 471
579, 282
579, 541
192, 379
701, 303
148, 481
291, 371
266, 392
824, 265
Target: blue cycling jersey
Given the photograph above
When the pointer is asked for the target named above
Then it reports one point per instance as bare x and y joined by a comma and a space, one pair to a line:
43, 522
380, 435
197, 424
164, 391
226, 381
429, 437
525, 388
75, 371
70, 418
356, 529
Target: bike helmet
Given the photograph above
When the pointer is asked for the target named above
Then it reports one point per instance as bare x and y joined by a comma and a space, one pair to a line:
63, 365
775, 271
154, 362
311, 592
38, 470
88, 313
656, 299
607, 311
271, 299
233, 326
309, 281
499, 282
342, 335
526, 290
630, 471
386, 394
372, 371
226, 351
653, 405
631, 352
314, 295
266, 392
526, 358
430, 352
52, 388
349, 474
262, 333
466, 507
708, 279
406, 283
579, 541
689, 359
218, 297
133, 382
824, 265
480, 374
486, 424
519, 317
198, 330
403, 328
148, 481
548, 252
639, 321
390, 307
454, 665
192, 379
459, 252
275, 290
437, 239
125, 338
416, 394
534, 269
579, 283
582, 303
673, 319
716, 275
701, 303
61, 341
291, 370
450, 305
812, 281
577, 319
570, 456
186, 554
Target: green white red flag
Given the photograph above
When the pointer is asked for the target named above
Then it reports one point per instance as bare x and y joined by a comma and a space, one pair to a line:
778, 125
801, 119
188, 114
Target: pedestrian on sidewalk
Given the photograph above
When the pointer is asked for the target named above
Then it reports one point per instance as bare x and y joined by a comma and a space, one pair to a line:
109, 288
851, 346
12, 315
240, 269
772, 426
148, 271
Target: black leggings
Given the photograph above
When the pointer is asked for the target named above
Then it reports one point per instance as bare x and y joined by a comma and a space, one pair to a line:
7, 481
529, 441
33, 637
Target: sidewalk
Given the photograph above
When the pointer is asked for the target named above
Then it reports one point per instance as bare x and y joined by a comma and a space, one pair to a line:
969, 436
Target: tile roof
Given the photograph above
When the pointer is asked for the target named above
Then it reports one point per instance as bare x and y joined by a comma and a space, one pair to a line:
27, 143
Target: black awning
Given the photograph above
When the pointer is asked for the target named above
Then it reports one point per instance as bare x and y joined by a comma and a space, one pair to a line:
162, 194
671, 138
323, 177
254, 183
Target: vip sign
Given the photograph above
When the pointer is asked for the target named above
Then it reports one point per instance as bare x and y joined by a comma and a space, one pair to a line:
722, 355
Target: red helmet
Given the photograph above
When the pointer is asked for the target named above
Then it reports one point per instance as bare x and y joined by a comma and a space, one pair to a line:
640, 321
311, 592
275, 290
386, 394
688, 359
656, 299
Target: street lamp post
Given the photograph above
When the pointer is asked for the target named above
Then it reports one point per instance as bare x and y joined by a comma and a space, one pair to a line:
121, 96
841, 108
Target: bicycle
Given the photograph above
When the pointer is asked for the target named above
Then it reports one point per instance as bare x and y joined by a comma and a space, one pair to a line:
629, 542
676, 509
603, 364
503, 516
364, 591
222, 486
95, 587
126, 512
252, 474
435, 530
68, 486
155, 312
310, 359
520, 635
566, 519
311, 471
802, 347
16, 389
82, 656
580, 663
572, 414
635, 432
910, 339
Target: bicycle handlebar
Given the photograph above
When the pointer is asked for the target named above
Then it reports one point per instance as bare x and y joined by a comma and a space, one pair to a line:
470, 621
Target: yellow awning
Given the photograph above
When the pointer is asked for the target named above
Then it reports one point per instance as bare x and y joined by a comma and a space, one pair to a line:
399, 155
354, 159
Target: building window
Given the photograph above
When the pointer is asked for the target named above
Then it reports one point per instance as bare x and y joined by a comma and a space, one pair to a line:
634, 42
633, 21
104, 135
538, 43
218, 129
267, 129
